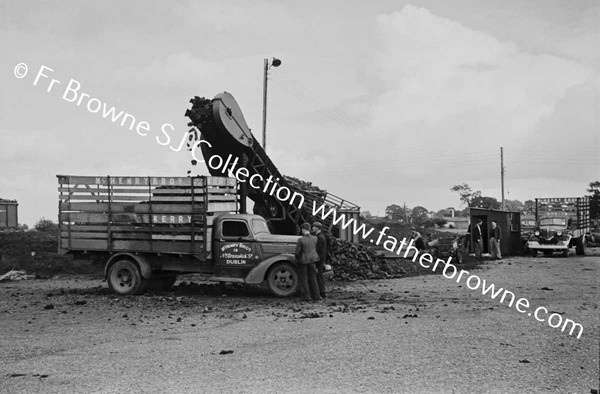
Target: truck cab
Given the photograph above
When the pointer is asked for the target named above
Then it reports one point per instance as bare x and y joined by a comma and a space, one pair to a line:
244, 250
555, 235
563, 224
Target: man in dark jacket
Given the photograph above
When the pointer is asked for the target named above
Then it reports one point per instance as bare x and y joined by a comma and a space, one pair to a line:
306, 257
317, 230
495, 241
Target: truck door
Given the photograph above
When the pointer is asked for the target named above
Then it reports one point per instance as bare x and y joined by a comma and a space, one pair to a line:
235, 249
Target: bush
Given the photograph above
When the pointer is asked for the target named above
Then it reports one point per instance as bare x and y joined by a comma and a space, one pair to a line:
440, 221
429, 223
46, 226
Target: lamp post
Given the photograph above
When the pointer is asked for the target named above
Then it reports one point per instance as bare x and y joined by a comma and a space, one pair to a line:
274, 63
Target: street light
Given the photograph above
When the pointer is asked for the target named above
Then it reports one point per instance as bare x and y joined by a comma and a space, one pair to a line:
274, 63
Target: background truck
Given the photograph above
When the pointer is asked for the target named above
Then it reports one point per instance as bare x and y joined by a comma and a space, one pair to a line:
148, 230
562, 223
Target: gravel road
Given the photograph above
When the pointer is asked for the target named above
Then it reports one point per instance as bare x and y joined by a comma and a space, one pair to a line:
422, 334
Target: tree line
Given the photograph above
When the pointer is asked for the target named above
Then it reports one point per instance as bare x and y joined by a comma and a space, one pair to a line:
470, 198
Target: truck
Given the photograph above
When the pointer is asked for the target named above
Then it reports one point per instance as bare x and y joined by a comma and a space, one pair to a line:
148, 230
562, 224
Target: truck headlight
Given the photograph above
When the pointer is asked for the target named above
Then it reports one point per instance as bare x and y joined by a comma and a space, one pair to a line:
537, 233
559, 233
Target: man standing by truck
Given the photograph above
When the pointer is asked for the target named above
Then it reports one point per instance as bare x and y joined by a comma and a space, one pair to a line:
306, 257
317, 230
495, 241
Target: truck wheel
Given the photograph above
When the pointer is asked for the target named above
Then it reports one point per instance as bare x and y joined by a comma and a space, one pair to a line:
533, 252
124, 278
547, 253
282, 279
565, 253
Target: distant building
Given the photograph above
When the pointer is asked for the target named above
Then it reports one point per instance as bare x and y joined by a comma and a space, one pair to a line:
457, 222
8, 214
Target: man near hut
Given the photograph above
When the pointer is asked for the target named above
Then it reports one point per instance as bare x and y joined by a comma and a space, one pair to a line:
495, 241
322, 248
306, 257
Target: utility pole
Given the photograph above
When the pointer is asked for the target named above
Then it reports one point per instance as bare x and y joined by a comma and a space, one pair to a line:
274, 63
502, 174
264, 125
405, 218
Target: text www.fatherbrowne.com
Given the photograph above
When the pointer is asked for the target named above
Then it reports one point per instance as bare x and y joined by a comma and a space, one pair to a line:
392, 244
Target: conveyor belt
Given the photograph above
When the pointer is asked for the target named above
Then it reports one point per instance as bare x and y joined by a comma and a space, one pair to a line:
222, 124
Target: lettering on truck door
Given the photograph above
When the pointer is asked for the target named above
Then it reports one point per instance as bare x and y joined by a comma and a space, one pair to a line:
235, 249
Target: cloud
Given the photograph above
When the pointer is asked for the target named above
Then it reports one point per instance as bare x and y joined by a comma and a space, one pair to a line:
175, 69
235, 17
431, 69
443, 92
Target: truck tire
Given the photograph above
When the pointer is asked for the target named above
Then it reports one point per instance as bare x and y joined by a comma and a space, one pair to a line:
124, 278
533, 252
565, 253
282, 279
547, 253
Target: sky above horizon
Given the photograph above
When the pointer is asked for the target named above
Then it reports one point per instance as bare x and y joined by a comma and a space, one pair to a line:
379, 102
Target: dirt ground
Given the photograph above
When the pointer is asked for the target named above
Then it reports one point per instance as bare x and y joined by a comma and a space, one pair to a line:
422, 334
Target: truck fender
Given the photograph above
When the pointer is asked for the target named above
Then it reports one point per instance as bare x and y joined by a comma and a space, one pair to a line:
142, 262
258, 273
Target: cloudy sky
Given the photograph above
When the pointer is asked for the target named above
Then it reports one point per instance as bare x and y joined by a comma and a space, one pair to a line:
379, 102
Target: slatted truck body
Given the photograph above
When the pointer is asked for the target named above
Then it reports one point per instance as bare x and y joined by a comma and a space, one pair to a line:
150, 229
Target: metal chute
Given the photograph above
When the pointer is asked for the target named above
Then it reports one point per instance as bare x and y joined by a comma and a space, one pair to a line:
222, 124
